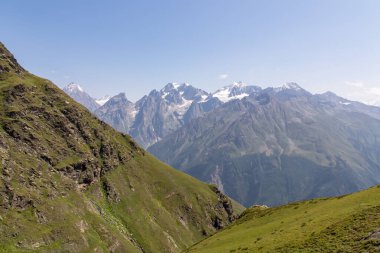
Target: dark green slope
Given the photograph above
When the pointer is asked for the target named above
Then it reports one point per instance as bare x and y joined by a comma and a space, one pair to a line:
348, 223
70, 183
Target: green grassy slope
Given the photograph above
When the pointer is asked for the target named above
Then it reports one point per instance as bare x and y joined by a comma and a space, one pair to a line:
70, 183
348, 223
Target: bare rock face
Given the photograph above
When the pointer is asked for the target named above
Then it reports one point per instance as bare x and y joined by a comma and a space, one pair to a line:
225, 204
110, 191
375, 235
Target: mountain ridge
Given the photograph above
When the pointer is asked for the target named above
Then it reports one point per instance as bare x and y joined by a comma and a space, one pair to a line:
279, 145
163, 111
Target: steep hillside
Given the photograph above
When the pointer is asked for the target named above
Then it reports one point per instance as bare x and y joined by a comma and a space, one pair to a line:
70, 183
348, 223
280, 145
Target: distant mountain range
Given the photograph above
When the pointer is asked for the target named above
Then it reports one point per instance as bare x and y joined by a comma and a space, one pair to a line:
267, 146
279, 145
159, 113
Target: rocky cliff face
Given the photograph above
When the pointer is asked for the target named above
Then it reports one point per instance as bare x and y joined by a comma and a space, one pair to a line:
70, 183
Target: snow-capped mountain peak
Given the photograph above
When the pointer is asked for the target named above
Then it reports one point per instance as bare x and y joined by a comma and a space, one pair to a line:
237, 90
75, 91
174, 86
288, 86
174, 93
239, 84
73, 87
170, 86
292, 86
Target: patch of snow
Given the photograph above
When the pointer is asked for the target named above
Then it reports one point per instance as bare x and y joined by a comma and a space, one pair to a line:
241, 96
164, 94
344, 103
224, 94
101, 101
184, 107
180, 109
204, 97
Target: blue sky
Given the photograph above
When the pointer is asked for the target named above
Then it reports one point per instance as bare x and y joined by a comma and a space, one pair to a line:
138, 45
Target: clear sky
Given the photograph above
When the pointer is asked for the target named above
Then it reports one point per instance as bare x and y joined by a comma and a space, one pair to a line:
135, 46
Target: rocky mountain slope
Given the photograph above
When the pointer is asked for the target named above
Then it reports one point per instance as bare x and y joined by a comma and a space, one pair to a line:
343, 224
280, 145
70, 183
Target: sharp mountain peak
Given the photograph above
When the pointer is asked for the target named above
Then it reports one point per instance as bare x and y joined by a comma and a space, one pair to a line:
73, 87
